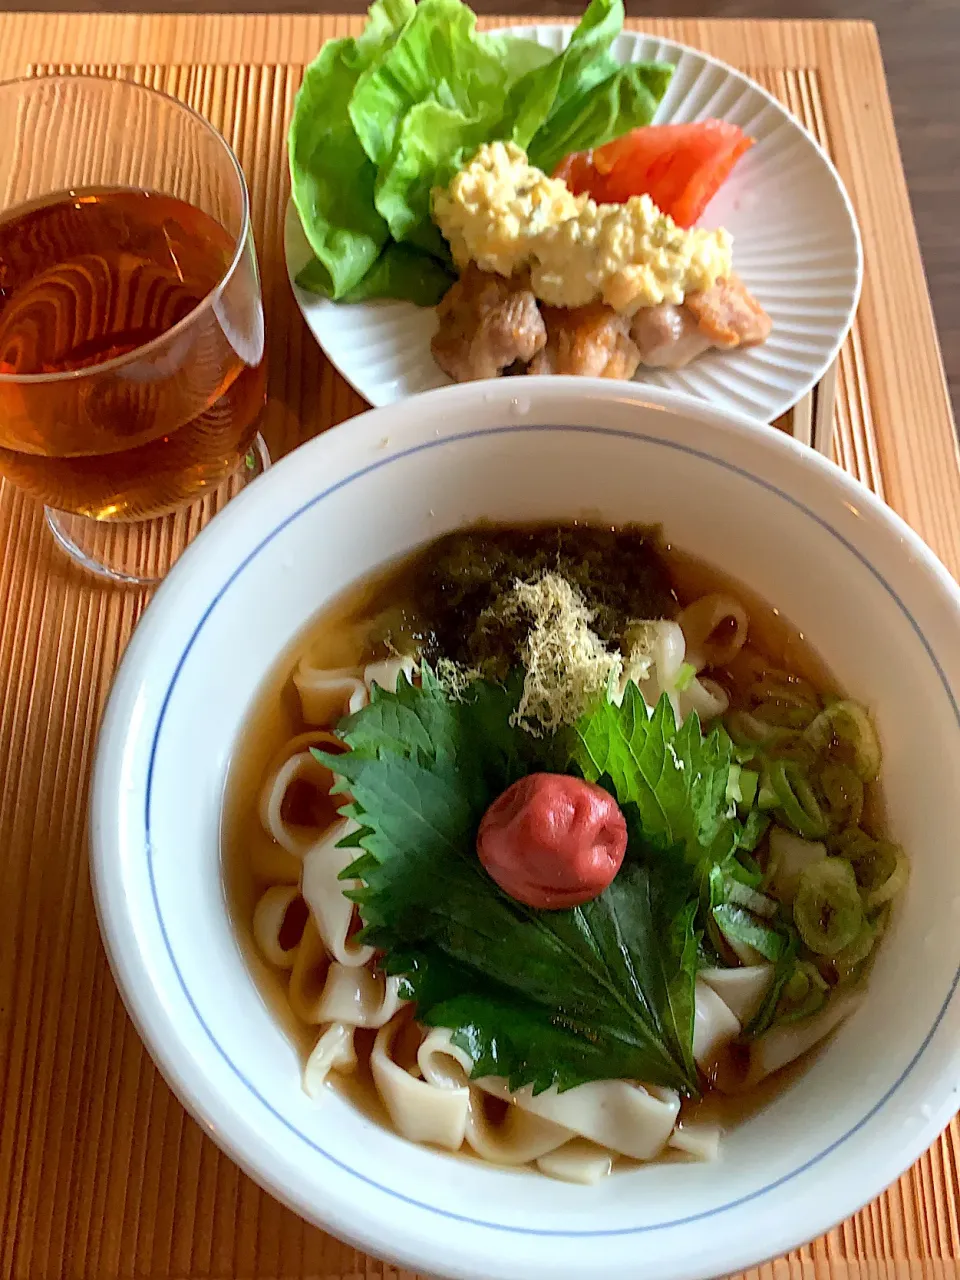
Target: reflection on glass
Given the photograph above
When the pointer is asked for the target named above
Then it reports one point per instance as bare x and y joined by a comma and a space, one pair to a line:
132, 369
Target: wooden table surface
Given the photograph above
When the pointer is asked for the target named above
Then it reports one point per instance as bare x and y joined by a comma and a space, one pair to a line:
920, 40
102, 1174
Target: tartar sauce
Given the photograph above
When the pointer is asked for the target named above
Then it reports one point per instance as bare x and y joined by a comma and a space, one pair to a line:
506, 216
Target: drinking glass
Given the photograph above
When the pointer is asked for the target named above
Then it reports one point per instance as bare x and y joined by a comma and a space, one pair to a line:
132, 365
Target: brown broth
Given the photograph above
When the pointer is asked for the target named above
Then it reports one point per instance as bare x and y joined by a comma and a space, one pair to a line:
772, 635
90, 276
340, 636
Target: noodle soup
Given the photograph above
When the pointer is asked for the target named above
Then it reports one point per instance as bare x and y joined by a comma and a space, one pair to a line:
733, 937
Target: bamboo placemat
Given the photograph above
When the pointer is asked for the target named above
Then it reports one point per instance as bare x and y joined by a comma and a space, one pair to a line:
102, 1175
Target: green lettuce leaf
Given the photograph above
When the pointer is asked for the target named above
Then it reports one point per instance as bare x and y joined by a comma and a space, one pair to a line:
332, 179
585, 62
516, 54
541, 997
433, 142
437, 58
428, 104
383, 119
401, 271
623, 101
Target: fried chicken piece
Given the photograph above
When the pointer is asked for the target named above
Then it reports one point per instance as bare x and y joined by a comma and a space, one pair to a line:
667, 336
725, 316
729, 314
592, 341
486, 324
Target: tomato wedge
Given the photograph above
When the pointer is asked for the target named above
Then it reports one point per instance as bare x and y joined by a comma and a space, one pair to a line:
680, 166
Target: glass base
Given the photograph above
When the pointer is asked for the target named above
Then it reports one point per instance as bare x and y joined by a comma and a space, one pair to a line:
140, 553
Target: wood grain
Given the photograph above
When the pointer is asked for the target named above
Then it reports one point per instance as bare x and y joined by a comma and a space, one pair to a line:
101, 1173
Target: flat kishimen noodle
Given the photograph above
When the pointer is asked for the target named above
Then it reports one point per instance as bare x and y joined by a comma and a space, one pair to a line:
269, 920
325, 696
480, 780
577, 1161
308, 976
714, 1025
298, 772
699, 1141
334, 1051
441, 1062
715, 628
516, 1137
782, 1045
705, 697
358, 996
323, 889
387, 673
741, 990
617, 1114
420, 1110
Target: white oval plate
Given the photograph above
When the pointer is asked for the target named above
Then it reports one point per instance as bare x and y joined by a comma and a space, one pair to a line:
796, 246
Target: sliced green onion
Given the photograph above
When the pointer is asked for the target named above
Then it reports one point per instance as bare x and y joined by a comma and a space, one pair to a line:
791, 744
894, 883
750, 869
805, 1009
874, 862
741, 929
780, 686
852, 956
798, 986
842, 791
881, 867
773, 863
797, 802
847, 723
767, 798
734, 794
684, 676
803, 995
784, 700
827, 910
805, 977
881, 918
749, 781
718, 941
784, 715
744, 896
754, 829
852, 844
746, 730
813, 973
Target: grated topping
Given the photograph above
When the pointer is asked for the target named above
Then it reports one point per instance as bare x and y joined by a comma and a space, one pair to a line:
568, 667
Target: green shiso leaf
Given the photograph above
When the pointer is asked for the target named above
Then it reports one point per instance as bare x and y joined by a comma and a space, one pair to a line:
544, 998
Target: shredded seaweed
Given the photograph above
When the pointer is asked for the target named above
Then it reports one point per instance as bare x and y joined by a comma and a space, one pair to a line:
461, 589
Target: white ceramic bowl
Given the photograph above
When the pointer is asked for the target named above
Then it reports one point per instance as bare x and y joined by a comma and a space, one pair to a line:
873, 600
